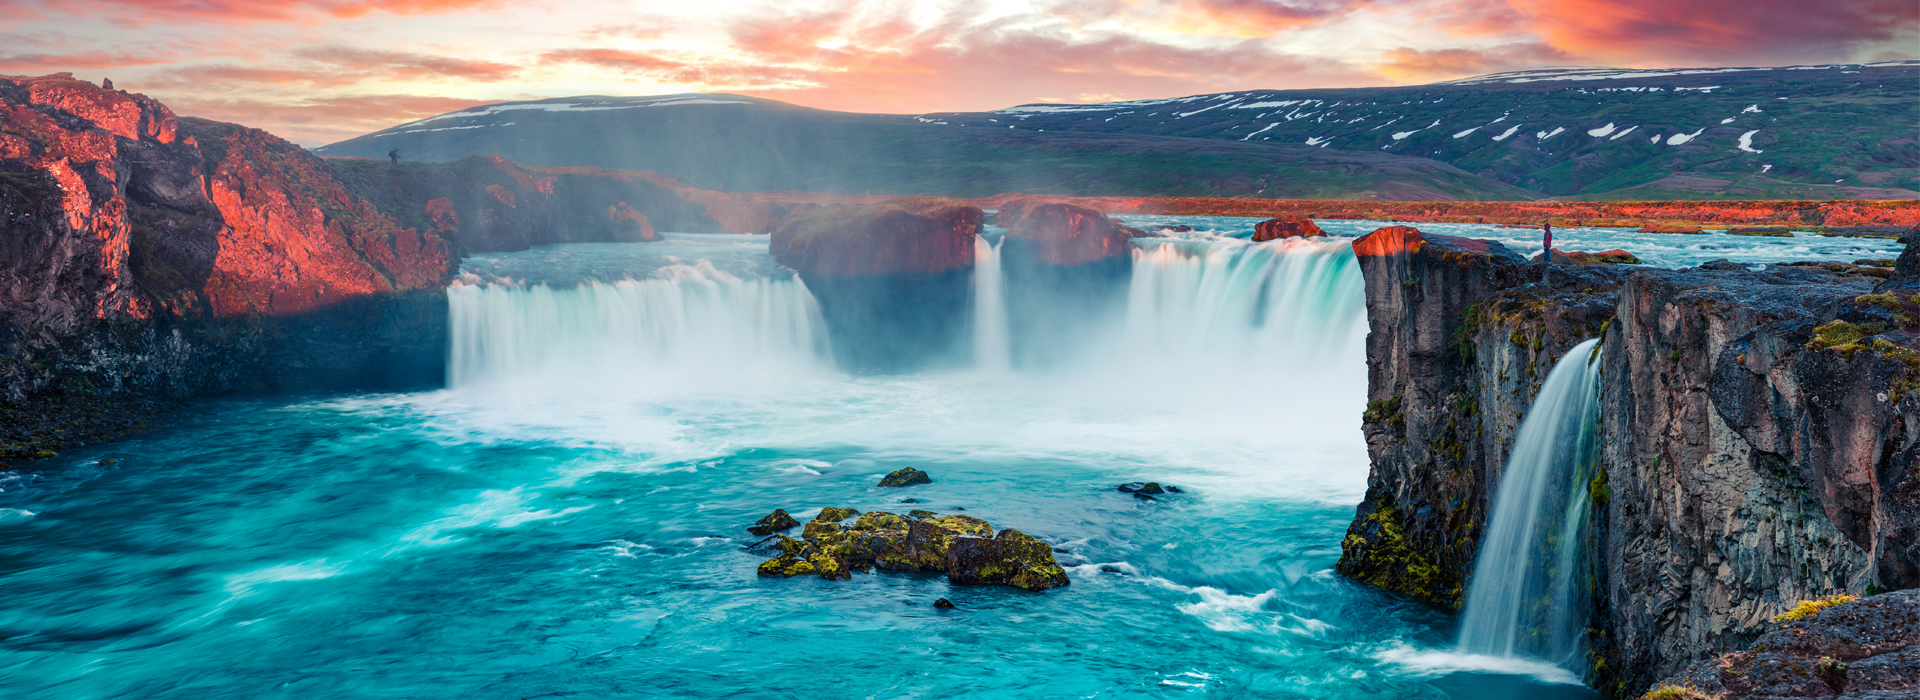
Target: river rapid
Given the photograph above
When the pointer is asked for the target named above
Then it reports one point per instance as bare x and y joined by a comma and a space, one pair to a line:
567, 518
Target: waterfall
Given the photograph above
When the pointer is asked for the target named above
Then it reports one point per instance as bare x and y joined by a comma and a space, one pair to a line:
1295, 301
689, 325
1526, 597
991, 351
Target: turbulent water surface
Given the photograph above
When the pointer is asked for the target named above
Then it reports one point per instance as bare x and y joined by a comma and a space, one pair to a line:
567, 519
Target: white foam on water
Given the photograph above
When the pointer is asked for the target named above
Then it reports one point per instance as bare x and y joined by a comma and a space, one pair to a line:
11, 516
1434, 663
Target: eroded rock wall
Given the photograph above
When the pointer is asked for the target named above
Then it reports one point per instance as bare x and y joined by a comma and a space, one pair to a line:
1757, 435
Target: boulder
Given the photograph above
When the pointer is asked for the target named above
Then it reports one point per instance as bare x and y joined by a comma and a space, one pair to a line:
1288, 227
774, 522
828, 566
943, 604
1019, 561
924, 548
1057, 233
965, 525
1868, 647
906, 477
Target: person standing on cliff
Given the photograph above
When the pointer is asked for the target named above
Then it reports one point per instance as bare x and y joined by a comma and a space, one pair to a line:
394, 154
1546, 254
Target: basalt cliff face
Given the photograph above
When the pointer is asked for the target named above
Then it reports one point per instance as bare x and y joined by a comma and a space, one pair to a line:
1757, 432
148, 255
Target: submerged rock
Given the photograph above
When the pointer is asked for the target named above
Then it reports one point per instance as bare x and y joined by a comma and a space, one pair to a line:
1150, 488
774, 522
943, 604
906, 477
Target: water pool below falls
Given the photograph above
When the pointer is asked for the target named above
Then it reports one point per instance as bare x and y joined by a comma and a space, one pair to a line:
566, 519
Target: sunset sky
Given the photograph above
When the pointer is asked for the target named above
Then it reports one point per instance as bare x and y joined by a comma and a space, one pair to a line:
317, 71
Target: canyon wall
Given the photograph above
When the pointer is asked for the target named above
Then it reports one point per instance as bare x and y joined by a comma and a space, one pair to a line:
1757, 432
145, 256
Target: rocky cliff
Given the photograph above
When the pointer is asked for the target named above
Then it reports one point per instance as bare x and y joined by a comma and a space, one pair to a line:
1756, 431
147, 255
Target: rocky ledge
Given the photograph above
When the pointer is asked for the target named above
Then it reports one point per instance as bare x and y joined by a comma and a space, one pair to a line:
966, 548
1866, 648
1755, 426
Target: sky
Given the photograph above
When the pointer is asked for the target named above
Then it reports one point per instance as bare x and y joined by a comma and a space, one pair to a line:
320, 71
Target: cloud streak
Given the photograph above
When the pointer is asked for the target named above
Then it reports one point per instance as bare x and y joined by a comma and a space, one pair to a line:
319, 70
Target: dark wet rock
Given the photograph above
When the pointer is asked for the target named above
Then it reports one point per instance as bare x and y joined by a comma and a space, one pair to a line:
959, 507
908, 476
1174, 229
1152, 488
1174, 489
820, 528
1131, 486
1143, 497
943, 604
922, 514
923, 549
909, 500
1723, 265
1867, 231
880, 520
1289, 227
1021, 562
834, 515
774, 522
1112, 570
1867, 648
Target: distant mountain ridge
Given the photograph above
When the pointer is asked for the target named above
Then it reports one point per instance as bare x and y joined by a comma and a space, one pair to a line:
1803, 132
1807, 132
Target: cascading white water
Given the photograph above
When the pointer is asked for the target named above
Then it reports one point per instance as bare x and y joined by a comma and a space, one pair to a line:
1525, 595
690, 325
1296, 301
991, 351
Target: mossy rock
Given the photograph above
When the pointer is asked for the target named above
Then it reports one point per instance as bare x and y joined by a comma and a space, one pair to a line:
828, 567
786, 567
834, 515
880, 520
965, 525
1021, 561
774, 522
922, 514
906, 477
854, 555
819, 529
924, 548
1016, 535
790, 547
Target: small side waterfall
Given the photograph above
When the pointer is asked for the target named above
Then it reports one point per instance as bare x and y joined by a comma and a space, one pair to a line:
991, 352
1525, 598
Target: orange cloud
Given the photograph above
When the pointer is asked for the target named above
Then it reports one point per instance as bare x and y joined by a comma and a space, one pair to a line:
1410, 65
1708, 32
230, 11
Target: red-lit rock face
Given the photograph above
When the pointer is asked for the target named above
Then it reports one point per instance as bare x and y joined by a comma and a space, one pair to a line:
632, 223
1391, 240
1290, 227
902, 236
1069, 234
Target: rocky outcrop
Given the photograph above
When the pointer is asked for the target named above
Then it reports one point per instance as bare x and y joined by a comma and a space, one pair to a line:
963, 547
893, 279
1288, 227
1066, 271
1754, 428
1865, 648
145, 256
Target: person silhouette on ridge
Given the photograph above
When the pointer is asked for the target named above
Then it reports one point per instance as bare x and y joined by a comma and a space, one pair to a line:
1546, 255
394, 154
